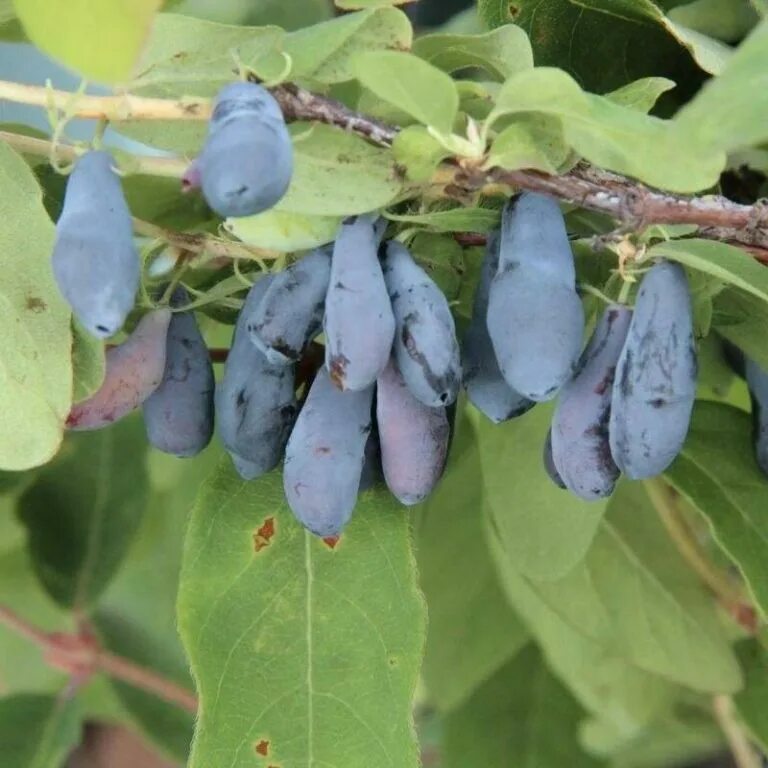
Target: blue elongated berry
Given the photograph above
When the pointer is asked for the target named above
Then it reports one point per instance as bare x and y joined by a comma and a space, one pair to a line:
359, 324
486, 388
291, 313
178, 415
425, 344
535, 317
246, 164
655, 384
255, 399
94, 259
325, 455
580, 444
413, 437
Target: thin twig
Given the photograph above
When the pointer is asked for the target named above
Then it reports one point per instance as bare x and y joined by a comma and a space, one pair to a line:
664, 499
79, 653
168, 167
202, 242
744, 754
146, 680
624, 199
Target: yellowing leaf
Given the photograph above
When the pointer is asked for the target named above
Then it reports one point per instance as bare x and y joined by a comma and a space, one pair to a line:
100, 39
36, 343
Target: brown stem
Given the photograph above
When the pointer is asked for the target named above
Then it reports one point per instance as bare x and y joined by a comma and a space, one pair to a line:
744, 754
622, 198
665, 501
80, 656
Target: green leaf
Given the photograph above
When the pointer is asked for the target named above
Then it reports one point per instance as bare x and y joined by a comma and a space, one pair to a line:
494, 12
742, 319
36, 346
185, 56
642, 94
83, 510
37, 731
727, 20
530, 141
602, 43
281, 231
718, 474
545, 531
418, 153
725, 114
325, 52
453, 220
750, 702
501, 52
88, 362
472, 630
521, 716
611, 135
356, 5
673, 629
99, 40
722, 261
338, 174
443, 258
410, 84
312, 649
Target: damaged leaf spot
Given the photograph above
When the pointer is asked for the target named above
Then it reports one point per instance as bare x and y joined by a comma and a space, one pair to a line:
263, 536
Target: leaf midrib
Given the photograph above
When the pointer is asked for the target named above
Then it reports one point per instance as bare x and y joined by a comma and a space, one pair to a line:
95, 528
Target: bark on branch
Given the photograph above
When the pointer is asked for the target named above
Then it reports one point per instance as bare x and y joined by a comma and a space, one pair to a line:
627, 201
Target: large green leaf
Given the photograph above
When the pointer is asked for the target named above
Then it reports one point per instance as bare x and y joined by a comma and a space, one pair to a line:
36, 343
750, 702
604, 43
472, 630
37, 731
724, 262
82, 511
521, 716
717, 472
545, 531
501, 52
100, 40
185, 56
307, 651
326, 52
742, 319
410, 84
726, 114
672, 629
611, 135
338, 174
727, 20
